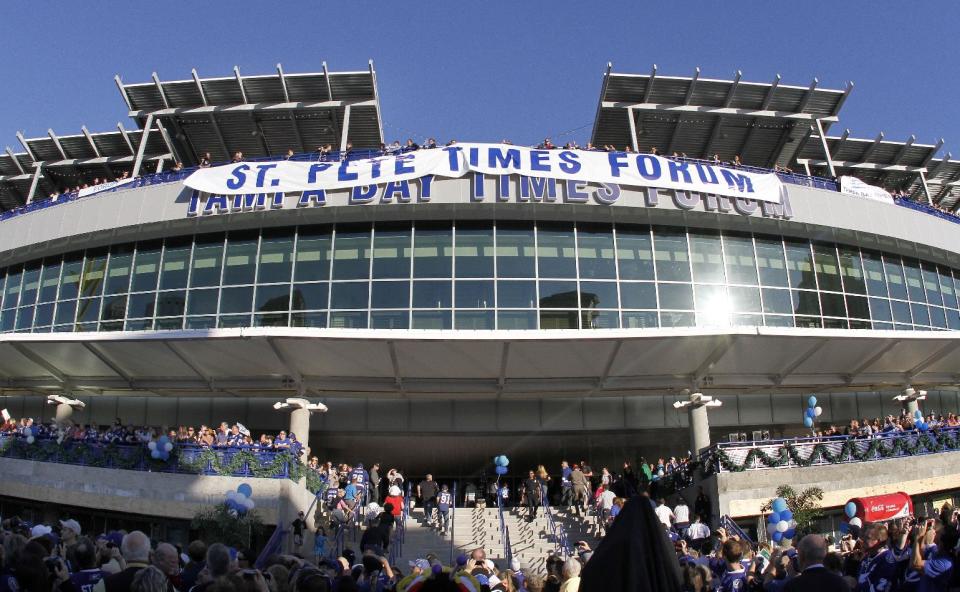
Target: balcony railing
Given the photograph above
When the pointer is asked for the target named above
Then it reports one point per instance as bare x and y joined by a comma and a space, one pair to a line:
806, 452
185, 458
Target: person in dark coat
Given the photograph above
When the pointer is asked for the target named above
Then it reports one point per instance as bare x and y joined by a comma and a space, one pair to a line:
811, 551
635, 555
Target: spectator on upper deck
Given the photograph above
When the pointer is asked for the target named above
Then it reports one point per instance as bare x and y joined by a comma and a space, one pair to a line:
431, 143
736, 161
547, 144
237, 156
654, 151
411, 145
289, 155
178, 167
205, 161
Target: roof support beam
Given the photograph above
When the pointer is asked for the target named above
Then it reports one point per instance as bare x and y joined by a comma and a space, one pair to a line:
767, 99
872, 148
56, 142
608, 365
634, 141
761, 113
98, 353
603, 92
882, 351
16, 161
283, 83
144, 136
35, 182
168, 142
865, 166
826, 149
395, 364
175, 348
123, 92
686, 101
39, 360
345, 131
376, 97
811, 90
504, 361
223, 142
23, 142
711, 360
930, 360
250, 107
326, 78
649, 89
163, 95
243, 91
199, 85
786, 372
903, 149
96, 151
285, 361
126, 138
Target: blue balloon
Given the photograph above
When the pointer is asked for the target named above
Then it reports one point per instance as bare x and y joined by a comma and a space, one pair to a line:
777, 536
924, 426
807, 422
844, 527
779, 505
245, 489
850, 509
501, 470
811, 413
773, 518
155, 454
790, 532
812, 401
786, 515
164, 455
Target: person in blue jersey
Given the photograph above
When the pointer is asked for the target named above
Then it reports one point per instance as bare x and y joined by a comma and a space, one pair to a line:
444, 503
86, 571
360, 476
296, 446
350, 493
936, 567
879, 568
911, 576
734, 578
234, 437
281, 442
566, 486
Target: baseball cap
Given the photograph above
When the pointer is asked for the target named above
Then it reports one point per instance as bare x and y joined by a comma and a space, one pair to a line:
421, 564
394, 490
72, 525
40, 530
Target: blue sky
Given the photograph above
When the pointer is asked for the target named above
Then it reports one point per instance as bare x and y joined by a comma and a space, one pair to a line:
484, 71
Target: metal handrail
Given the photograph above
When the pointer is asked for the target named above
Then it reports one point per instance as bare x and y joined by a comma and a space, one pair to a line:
453, 518
733, 528
557, 531
504, 530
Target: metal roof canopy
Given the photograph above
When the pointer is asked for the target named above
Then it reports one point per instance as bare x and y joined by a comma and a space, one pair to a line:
878, 161
68, 161
764, 123
263, 115
481, 364
943, 182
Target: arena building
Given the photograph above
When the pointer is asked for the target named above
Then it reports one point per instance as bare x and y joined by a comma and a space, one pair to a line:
443, 319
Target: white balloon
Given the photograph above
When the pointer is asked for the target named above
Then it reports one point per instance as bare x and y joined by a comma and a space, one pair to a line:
793, 524
248, 503
168, 446
30, 439
856, 522
232, 495
152, 445
783, 526
818, 411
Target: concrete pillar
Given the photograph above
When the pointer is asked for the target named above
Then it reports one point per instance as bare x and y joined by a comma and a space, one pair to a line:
64, 413
300, 425
699, 428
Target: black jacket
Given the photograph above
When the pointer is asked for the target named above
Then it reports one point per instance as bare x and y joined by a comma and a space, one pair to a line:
818, 579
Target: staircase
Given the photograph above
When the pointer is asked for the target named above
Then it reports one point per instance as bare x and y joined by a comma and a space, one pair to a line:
479, 527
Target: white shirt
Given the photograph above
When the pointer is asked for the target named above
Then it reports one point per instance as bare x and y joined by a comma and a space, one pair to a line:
682, 513
606, 499
698, 530
665, 515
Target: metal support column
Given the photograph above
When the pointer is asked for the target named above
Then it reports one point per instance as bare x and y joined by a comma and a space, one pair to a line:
633, 130
926, 189
826, 149
35, 182
345, 130
143, 145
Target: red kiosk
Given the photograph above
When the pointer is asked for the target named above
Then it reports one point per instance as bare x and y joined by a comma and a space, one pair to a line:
880, 508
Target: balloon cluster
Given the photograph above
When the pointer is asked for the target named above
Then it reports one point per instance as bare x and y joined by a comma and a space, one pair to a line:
31, 434
239, 502
780, 524
850, 519
501, 462
811, 412
160, 450
918, 421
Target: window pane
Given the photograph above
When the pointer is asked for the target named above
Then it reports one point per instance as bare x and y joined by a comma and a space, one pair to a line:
474, 252
31, 285
558, 319
828, 270
11, 296
351, 255
638, 295
895, 280
240, 265
24, 317
931, 285
142, 305
389, 319
168, 324
744, 299
114, 308
170, 304
174, 271
276, 258
234, 300
390, 295
515, 251
800, 265
146, 267
901, 312
741, 265
432, 252
832, 305
937, 317
634, 253
234, 321
850, 270
556, 252
777, 321
873, 273
598, 295
474, 294
880, 309
309, 296
921, 316
50, 281
272, 298
676, 296
946, 287
91, 284
197, 323
143, 325
677, 319
8, 320
914, 282
431, 319
805, 303
640, 320
777, 301
66, 312
349, 295
69, 280
309, 319
276, 319
516, 319
88, 310
706, 257
516, 294
437, 294
474, 320
118, 273
770, 262
857, 307
207, 261
391, 253
596, 253
313, 255
670, 246
712, 305
600, 319
558, 295
44, 315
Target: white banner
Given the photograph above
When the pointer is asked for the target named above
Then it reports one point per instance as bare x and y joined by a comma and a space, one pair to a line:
103, 187
490, 159
854, 186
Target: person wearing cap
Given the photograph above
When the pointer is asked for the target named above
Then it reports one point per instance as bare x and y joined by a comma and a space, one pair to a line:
69, 532
395, 499
419, 566
444, 503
